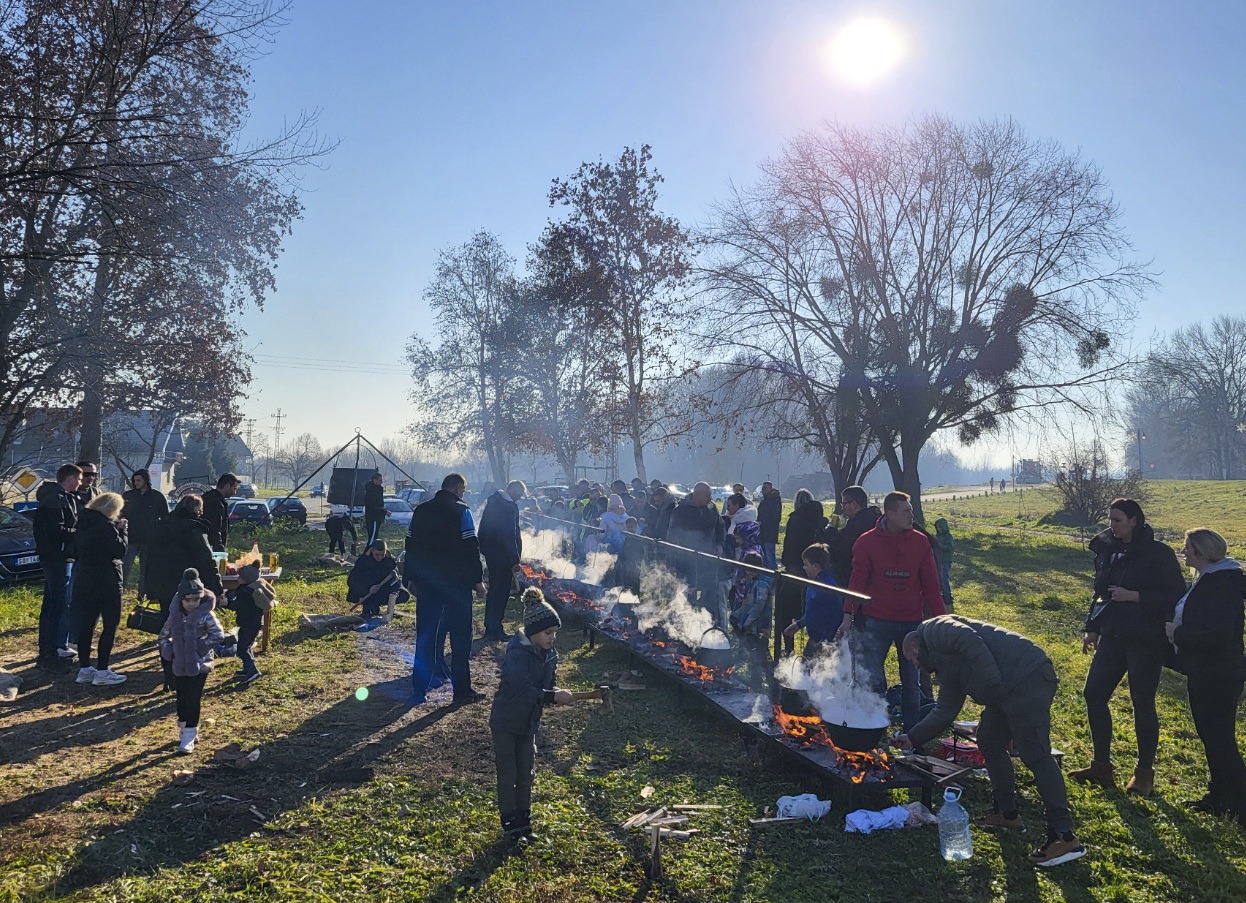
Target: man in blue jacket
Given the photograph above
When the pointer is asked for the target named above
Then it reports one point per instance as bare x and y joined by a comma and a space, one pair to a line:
502, 547
442, 568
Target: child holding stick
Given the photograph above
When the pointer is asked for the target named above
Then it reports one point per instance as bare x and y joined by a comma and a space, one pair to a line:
526, 685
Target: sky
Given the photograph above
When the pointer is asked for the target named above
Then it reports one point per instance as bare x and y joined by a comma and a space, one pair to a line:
452, 118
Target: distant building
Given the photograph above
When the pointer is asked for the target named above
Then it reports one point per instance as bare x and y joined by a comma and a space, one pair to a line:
132, 440
1029, 472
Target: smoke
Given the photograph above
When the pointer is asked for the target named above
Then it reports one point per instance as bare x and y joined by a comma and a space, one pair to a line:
596, 566
664, 606
546, 549
617, 596
828, 680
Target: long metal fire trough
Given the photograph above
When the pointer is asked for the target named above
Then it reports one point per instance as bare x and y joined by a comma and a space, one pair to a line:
730, 698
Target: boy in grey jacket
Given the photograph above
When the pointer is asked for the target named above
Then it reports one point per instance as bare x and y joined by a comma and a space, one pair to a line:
526, 685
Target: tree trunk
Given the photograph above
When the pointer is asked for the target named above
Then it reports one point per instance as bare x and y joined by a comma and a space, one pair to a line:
91, 439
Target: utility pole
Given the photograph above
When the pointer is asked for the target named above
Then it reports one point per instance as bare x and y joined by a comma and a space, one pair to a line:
277, 418
250, 434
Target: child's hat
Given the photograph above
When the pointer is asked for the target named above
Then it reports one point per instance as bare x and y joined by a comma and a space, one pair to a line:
191, 585
248, 573
538, 615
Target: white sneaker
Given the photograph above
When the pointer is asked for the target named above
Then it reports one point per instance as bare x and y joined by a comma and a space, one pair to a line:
189, 735
68, 651
86, 674
105, 678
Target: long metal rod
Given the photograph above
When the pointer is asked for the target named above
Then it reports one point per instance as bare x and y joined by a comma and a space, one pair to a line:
782, 575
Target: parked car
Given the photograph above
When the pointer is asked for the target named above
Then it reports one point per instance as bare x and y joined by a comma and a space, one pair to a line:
279, 506
413, 495
399, 512
317, 491
250, 512
19, 562
246, 490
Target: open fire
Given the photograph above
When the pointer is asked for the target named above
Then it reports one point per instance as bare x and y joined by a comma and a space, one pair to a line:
859, 767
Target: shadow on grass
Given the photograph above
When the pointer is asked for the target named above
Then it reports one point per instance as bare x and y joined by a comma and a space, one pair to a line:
334, 747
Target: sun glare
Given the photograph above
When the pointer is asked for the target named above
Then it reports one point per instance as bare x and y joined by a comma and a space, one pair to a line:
864, 50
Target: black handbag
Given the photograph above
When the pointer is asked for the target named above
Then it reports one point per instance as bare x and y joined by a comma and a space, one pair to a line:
146, 620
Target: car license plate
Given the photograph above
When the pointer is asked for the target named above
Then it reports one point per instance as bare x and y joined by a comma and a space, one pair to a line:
29, 559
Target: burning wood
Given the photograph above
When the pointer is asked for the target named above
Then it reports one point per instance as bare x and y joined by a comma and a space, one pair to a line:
858, 767
693, 668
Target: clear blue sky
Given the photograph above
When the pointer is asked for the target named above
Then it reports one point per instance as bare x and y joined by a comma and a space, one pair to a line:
454, 117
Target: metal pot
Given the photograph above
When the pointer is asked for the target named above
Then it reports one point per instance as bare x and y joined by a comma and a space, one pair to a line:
717, 659
854, 739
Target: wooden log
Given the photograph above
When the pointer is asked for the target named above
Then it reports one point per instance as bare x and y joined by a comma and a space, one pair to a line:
655, 852
692, 807
671, 821
651, 818
670, 832
771, 822
636, 820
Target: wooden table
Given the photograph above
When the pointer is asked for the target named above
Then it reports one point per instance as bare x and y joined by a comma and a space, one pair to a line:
230, 581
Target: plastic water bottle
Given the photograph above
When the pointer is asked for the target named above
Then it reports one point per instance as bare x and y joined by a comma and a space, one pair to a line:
954, 840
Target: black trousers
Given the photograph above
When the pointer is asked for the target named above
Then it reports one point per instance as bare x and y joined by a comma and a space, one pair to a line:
1143, 662
189, 697
499, 593
372, 521
789, 606
88, 611
515, 755
1213, 703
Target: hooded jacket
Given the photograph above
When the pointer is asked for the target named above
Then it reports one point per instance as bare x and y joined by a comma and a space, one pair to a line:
770, 516
366, 573
977, 659
805, 526
897, 571
745, 531
143, 509
189, 639
944, 540
442, 549
178, 542
526, 683
499, 530
1207, 640
56, 521
216, 517
1145, 565
100, 546
842, 540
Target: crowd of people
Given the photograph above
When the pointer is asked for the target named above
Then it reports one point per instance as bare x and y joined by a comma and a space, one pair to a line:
1143, 616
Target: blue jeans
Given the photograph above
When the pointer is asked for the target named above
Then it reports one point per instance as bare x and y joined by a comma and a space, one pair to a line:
53, 613
945, 580
769, 551
876, 638
442, 611
246, 638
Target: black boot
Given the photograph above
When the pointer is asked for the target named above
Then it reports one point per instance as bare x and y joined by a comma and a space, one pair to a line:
524, 823
511, 825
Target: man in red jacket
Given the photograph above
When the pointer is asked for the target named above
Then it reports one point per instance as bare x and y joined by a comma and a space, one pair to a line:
894, 565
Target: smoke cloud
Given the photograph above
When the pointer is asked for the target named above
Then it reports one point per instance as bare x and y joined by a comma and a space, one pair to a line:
828, 680
664, 606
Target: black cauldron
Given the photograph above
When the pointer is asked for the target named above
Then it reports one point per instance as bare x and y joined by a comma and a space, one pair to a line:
717, 659
854, 739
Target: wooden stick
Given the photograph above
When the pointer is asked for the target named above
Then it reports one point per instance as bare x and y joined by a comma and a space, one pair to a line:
671, 822
655, 853
636, 820
651, 818
770, 822
668, 832
690, 807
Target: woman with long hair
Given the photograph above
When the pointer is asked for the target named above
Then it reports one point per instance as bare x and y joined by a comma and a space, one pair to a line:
806, 525
1206, 637
1137, 584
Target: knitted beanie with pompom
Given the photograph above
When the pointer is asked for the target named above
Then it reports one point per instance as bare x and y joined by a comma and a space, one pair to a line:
538, 615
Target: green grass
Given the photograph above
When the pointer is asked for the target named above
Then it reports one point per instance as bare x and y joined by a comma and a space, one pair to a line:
374, 801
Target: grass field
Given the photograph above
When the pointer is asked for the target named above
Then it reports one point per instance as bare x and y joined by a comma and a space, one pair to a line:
374, 800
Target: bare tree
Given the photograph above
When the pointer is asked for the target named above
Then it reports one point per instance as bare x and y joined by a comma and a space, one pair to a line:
466, 389
616, 229
780, 383
298, 459
1193, 393
1086, 482
967, 273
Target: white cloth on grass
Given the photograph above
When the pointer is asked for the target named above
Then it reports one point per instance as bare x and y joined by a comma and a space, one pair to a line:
864, 821
807, 805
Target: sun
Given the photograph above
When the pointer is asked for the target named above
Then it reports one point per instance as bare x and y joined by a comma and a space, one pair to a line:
865, 49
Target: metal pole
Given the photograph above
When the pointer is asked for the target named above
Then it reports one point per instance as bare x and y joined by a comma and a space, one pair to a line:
730, 561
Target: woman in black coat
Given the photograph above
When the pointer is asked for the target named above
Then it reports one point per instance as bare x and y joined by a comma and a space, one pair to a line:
100, 543
806, 525
1137, 584
1206, 637
178, 542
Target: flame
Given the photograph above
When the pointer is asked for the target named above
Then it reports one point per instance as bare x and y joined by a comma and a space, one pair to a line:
807, 730
695, 669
